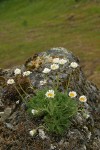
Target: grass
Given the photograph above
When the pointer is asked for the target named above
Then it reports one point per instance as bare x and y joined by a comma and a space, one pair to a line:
29, 26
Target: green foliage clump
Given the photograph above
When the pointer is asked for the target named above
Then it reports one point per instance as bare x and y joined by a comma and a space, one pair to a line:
57, 111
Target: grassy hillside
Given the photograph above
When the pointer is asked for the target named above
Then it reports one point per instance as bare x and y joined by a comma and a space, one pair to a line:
29, 26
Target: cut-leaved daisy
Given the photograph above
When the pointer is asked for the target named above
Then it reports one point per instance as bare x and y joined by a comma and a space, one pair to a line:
54, 67
10, 81
83, 98
72, 94
50, 94
74, 65
17, 71
46, 70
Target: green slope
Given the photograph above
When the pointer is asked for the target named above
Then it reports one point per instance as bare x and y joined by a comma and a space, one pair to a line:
29, 26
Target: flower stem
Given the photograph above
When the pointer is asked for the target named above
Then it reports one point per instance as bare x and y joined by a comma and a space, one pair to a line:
41, 126
23, 90
19, 94
31, 86
68, 81
57, 79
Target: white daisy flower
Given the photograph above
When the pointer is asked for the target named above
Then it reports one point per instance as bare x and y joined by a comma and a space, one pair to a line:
32, 132
50, 94
72, 94
46, 70
42, 82
62, 61
83, 98
74, 65
10, 81
42, 134
56, 60
26, 73
34, 111
17, 102
54, 67
17, 71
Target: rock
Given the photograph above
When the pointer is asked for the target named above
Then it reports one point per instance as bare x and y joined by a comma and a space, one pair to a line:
1, 115
9, 126
96, 144
84, 133
79, 119
82, 87
1, 105
4, 115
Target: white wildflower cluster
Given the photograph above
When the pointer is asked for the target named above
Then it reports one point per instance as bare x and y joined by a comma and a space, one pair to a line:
55, 65
56, 62
40, 131
60, 61
26, 73
82, 98
17, 71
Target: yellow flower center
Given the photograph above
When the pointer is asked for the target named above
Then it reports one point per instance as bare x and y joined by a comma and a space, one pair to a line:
50, 94
72, 94
82, 99
53, 67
